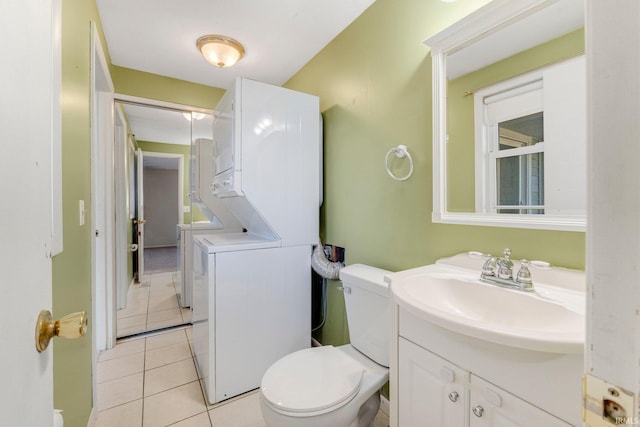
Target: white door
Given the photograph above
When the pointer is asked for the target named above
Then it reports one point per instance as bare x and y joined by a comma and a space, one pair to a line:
26, 76
140, 212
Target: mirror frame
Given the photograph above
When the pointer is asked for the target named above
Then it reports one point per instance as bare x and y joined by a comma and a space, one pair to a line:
488, 19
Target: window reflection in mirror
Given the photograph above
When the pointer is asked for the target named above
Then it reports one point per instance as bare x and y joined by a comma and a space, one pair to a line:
512, 180
520, 177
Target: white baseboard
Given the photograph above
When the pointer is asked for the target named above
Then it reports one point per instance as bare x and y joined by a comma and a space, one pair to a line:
92, 418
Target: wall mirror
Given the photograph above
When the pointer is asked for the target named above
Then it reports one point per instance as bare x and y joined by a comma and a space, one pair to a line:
509, 116
154, 209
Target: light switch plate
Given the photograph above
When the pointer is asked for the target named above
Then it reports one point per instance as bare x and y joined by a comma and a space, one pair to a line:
81, 211
606, 404
186, 209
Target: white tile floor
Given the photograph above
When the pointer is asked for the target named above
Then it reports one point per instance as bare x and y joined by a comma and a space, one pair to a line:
152, 304
152, 381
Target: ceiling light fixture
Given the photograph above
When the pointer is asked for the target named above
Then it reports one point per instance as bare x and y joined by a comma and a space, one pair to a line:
221, 51
195, 115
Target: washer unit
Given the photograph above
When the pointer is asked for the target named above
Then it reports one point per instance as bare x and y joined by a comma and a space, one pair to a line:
252, 290
250, 308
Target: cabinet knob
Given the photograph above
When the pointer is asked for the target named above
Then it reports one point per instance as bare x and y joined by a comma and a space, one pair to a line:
453, 396
478, 411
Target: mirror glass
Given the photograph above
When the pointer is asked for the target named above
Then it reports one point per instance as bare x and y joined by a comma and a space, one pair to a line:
510, 116
160, 212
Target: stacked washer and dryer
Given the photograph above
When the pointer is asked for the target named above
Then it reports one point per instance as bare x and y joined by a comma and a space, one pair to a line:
251, 289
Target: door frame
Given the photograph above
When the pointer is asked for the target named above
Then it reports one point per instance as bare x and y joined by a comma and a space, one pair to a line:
139, 228
120, 164
140, 156
180, 158
102, 203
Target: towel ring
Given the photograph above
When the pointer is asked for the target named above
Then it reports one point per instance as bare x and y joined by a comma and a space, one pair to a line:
401, 152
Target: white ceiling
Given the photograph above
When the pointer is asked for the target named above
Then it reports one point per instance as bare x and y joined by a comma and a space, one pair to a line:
553, 21
158, 125
154, 124
279, 36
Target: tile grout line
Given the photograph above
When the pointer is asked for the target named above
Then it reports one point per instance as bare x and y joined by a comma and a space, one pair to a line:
175, 293
146, 322
185, 336
144, 376
148, 311
195, 366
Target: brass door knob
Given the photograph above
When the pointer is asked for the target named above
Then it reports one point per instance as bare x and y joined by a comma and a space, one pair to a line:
71, 326
141, 221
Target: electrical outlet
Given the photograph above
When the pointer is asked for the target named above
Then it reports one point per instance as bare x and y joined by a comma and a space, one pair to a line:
606, 404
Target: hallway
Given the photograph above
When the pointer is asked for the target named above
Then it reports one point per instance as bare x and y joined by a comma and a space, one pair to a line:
159, 260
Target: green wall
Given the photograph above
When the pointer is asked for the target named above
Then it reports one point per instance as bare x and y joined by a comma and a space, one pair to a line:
374, 84
72, 268
153, 86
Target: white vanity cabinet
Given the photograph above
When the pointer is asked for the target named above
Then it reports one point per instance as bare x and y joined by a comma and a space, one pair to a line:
434, 392
467, 353
441, 378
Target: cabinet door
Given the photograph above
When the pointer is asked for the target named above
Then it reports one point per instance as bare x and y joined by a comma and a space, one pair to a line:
491, 406
431, 391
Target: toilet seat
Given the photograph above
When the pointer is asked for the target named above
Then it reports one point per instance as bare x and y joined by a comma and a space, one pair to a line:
312, 381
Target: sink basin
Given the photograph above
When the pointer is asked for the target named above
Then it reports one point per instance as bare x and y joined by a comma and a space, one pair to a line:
551, 319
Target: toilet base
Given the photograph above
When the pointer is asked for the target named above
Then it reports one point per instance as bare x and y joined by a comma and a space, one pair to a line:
368, 411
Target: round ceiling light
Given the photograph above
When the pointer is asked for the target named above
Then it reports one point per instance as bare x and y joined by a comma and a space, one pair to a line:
221, 51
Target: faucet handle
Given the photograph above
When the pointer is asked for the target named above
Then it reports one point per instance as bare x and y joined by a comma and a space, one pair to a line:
524, 275
490, 266
506, 265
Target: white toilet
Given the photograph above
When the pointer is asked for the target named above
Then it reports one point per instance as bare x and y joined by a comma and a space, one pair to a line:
336, 386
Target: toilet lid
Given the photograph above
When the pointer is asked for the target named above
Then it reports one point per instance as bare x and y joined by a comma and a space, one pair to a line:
312, 380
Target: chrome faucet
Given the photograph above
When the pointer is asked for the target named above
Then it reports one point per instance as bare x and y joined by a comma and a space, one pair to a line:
499, 271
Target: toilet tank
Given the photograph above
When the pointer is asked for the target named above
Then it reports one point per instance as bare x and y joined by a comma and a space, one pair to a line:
368, 302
